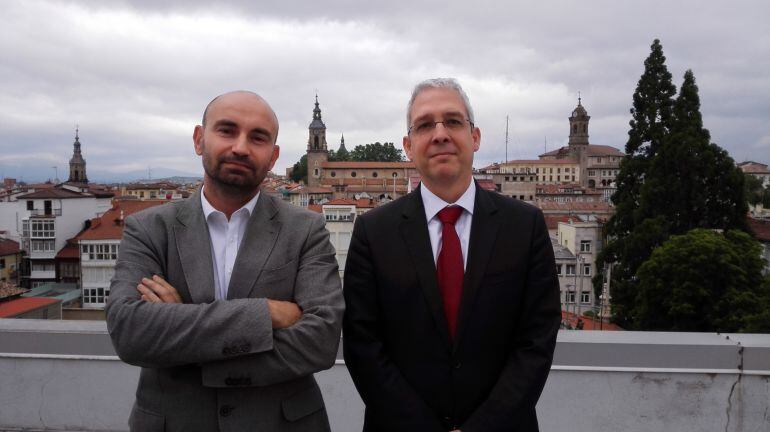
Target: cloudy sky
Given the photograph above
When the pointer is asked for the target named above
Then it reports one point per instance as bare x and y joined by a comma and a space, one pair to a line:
136, 75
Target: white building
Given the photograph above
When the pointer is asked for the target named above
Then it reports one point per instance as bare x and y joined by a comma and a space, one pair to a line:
50, 217
578, 245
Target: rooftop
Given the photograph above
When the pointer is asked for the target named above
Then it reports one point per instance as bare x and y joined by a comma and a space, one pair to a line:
64, 375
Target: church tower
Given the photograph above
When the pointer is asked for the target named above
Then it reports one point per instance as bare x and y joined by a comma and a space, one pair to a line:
77, 163
316, 147
578, 126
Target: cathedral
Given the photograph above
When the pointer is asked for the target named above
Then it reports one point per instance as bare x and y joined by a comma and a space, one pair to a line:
378, 181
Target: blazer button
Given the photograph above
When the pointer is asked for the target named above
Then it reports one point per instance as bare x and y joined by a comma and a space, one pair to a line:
226, 410
458, 365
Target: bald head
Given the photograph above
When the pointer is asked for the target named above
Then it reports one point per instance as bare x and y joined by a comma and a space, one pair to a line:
238, 97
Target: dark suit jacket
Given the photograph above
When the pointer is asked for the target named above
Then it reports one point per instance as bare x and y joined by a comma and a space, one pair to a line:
411, 376
211, 365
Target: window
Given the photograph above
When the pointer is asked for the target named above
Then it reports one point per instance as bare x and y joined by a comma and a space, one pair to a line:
374, 174
394, 174
30, 205
95, 295
43, 245
558, 269
333, 174
569, 297
570, 269
586, 269
43, 228
585, 245
353, 174
101, 251
2, 263
315, 172
585, 297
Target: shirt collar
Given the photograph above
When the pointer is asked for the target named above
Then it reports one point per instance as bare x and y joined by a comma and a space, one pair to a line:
433, 204
208, 209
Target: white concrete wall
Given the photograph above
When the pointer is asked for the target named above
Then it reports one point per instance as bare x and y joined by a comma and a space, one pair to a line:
58, 376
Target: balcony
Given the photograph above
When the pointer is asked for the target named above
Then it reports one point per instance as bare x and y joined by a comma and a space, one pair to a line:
63, 375
45, 212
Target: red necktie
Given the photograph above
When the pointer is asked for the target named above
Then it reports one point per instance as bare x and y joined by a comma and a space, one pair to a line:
449, 267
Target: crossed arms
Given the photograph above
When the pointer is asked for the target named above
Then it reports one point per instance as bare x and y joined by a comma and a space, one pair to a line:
266, 341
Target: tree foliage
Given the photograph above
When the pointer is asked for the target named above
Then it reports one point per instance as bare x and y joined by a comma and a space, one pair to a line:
704, 281
672, 180
376, 152
299, 170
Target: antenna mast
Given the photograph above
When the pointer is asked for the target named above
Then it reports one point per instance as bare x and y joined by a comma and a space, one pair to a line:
506, 139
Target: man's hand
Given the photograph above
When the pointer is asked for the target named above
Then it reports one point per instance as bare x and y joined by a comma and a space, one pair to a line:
157, 290
283, 314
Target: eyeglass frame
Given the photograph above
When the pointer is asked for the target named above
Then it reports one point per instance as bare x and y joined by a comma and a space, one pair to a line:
409, 131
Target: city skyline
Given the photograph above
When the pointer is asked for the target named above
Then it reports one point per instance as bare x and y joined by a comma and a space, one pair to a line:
136, 76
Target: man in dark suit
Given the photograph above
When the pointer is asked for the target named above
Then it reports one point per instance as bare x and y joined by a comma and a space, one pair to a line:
229, 300
451, 291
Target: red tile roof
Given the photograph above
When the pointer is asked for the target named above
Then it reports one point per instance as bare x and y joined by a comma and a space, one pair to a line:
19, 306
552, 221
486, 184
589, 323
8, 247
761, 229
108, 227
312, 190
541, 162
315, 208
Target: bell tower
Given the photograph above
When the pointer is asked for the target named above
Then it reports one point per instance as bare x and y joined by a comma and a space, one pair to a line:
317, 152
578, 125
77, 163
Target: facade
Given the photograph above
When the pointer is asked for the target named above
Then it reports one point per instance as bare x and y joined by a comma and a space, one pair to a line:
758, 170
583, 241
153, 191
590, 166
381, 181
98, 246
48, 219
10, 261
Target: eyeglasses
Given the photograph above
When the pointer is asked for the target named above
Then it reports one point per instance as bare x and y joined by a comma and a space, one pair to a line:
428, 126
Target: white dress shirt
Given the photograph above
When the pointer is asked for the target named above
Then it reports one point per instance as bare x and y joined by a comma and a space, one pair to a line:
434, 204
226, 238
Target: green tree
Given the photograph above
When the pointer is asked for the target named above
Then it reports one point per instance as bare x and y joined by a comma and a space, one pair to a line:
650, 120
704, 281
755, 193
299, 170
342, 155
672, 180
376, 152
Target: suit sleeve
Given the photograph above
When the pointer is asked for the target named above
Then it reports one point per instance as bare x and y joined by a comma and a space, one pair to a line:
522, 380
387, 395
311, 344
159, 335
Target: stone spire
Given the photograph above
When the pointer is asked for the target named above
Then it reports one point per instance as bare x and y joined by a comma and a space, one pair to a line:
578, 125
342, 143
77, 163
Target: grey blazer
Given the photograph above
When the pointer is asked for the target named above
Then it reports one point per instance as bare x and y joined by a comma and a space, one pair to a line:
218, 365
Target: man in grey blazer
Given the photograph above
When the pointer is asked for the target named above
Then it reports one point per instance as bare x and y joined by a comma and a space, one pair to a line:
229, 300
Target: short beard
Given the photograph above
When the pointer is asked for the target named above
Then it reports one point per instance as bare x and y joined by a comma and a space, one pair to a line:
232, 185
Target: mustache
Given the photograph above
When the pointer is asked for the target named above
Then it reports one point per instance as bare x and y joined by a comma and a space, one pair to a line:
241, 160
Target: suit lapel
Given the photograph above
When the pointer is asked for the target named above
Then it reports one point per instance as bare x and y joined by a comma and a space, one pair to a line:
257, 244
484, 227
414, 230
193, 245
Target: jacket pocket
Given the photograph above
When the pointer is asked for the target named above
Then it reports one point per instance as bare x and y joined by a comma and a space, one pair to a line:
142, 420
302, 404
